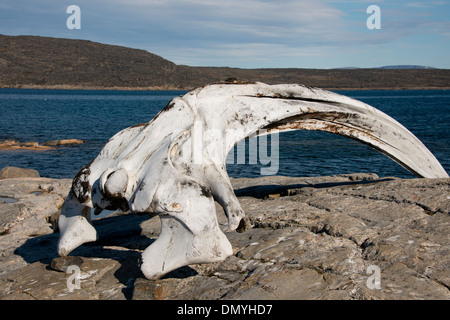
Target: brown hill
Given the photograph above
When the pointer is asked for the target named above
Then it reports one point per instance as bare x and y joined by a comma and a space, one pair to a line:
42, 62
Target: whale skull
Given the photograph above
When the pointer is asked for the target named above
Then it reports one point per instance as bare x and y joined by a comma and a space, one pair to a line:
169, 168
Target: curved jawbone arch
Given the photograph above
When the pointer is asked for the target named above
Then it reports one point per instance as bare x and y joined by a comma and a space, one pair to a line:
174, 166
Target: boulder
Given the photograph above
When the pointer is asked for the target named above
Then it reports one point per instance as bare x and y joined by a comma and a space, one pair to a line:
15, 172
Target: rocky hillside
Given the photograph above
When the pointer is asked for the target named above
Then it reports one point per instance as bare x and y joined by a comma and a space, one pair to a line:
30, 60
42, 62
343, 237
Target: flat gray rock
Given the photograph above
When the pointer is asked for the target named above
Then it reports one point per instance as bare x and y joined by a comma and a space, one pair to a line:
342, 237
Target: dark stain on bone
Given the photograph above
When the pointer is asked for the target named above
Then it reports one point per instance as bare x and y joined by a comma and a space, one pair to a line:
292, 97
141, 185
206, 192
80, 184
186, 183
168, 106
139, 125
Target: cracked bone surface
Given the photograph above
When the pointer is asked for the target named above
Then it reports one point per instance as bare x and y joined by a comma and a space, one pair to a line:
174, 165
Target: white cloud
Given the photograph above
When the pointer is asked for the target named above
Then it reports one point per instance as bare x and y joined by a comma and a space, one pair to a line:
252, 18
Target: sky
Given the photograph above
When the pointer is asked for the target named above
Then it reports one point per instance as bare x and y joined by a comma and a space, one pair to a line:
251, 33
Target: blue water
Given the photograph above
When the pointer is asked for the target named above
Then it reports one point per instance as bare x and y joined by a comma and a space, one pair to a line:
95, 116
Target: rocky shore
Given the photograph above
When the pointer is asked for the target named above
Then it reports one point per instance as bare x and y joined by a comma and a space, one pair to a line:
352, 236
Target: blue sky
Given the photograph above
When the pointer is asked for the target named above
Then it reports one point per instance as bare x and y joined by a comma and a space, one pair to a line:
250, 33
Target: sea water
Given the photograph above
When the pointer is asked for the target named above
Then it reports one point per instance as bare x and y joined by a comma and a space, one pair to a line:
96, 115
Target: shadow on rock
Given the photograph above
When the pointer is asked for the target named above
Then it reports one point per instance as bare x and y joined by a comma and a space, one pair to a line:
120, 241
265, 191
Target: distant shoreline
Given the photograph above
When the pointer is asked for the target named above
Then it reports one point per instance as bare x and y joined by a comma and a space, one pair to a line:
157, 88
33, 62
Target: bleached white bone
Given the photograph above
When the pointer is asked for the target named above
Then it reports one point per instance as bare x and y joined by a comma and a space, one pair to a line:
174, 166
